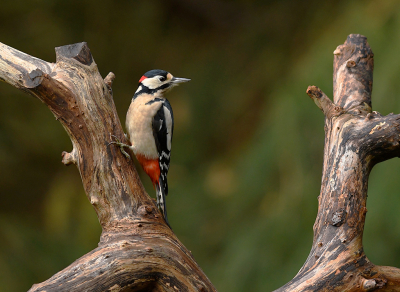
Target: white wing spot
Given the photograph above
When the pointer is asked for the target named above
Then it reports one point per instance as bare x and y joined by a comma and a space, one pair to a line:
168, 122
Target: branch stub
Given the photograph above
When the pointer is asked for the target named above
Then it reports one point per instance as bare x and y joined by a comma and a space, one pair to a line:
78, 51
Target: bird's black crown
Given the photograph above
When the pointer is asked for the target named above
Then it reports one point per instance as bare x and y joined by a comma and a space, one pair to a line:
155, 72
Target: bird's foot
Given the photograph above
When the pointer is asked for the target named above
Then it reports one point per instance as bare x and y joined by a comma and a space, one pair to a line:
121, 146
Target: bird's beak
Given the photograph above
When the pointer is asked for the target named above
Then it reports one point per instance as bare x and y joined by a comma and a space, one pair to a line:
177, 80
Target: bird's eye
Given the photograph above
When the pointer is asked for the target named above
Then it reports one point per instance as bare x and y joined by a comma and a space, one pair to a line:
162, 78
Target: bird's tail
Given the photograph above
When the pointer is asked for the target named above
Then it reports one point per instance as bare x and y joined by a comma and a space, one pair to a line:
161, 204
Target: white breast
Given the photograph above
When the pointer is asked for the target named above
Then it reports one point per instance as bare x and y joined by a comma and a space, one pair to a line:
139, 125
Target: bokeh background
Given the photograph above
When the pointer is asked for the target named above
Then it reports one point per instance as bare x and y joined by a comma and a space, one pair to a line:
248, 142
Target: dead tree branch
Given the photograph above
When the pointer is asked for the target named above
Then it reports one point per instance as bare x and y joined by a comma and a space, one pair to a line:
137, 251
355, 140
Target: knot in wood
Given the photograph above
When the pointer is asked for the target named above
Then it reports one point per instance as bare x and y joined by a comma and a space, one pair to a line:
366, 272
369, 116
358, 253
373, 284
338, 108
145, 210
369, 285
380, 283
350, 64
338, 217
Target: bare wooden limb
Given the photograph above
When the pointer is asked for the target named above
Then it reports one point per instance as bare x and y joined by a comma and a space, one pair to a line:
355, 140
352, 74
323, 102
137, 250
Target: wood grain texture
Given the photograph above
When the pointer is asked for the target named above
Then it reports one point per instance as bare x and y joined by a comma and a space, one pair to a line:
137, 250
355, 140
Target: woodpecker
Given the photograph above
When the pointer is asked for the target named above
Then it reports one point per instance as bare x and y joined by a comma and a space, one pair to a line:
150, 126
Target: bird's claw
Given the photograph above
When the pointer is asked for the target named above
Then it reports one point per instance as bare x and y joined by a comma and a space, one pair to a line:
118, 142
125, 153
121, 146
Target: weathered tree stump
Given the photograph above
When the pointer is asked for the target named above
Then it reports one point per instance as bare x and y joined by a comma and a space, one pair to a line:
356, 138
137, 250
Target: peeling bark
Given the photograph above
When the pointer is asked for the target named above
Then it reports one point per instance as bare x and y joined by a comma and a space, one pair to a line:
355, 140
137, 250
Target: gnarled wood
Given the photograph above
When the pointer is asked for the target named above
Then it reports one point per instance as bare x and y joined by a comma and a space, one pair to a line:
355, 140
137, 251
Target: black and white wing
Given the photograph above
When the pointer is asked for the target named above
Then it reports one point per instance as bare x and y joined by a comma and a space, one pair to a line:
163, 127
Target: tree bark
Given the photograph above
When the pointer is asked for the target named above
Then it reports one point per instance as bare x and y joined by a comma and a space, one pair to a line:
137, 250
356, 138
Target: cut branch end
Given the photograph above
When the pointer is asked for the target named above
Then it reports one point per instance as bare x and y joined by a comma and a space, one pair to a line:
33, 79
79, 51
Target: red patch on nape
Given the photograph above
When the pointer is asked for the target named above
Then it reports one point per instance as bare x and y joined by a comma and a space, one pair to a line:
151, 167
143, 78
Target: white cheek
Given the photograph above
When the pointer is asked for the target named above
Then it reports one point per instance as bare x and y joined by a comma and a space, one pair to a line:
151, 83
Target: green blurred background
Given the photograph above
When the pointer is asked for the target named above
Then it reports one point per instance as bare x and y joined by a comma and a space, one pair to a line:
248, 142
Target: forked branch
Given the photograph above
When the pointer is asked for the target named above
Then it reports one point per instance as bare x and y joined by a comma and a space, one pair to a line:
137, 251
355, 140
